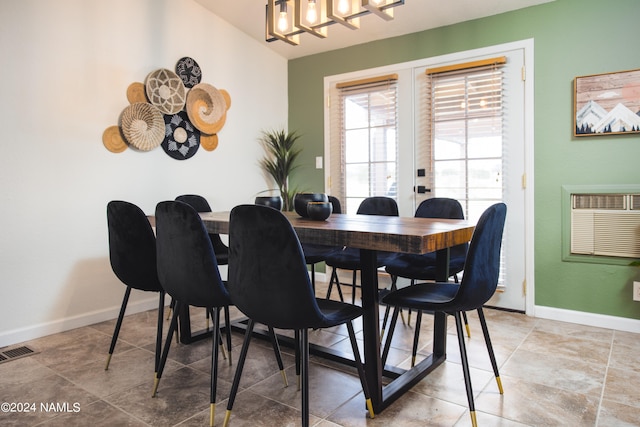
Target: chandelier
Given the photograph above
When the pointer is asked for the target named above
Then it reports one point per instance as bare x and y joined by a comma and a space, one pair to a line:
287, 19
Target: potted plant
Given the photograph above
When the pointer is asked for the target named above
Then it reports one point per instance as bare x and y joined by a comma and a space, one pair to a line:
280, 161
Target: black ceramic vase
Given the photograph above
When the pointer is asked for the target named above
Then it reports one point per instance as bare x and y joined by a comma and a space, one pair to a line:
274, 202
319, 211
300, 201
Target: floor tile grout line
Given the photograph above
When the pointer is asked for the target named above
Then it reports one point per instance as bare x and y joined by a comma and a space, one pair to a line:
604, 379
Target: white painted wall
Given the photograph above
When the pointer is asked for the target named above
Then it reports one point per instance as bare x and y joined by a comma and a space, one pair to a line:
66, 65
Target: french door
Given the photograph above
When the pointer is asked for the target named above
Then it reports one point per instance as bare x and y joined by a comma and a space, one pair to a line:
476, 160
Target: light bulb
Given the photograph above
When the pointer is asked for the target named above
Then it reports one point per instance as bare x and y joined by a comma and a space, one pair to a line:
343, 6
312, 14
376, 2
282, 22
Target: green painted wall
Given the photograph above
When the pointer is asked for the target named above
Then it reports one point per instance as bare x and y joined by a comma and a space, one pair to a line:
572, 38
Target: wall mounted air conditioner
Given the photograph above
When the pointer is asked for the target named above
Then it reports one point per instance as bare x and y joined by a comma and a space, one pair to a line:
605, 225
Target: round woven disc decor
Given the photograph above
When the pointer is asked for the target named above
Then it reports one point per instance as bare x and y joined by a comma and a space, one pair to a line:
135, 93
166, 91
182, 139
142, 126
189, 71
206, 106
209, 142
113, 140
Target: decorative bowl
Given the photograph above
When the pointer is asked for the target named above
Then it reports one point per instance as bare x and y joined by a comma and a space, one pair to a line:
300, 201
319, 211
274, 202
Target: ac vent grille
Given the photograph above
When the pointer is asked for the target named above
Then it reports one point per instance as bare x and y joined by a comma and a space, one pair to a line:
606, 225
600, 201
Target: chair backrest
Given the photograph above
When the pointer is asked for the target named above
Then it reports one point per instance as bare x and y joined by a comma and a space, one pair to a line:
482, 266
335, 202
132, 246
196, 201
378, 205
268, 278
442, 207
187, 266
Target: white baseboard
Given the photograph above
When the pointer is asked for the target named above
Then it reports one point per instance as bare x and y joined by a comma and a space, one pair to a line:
43, 329
589, 319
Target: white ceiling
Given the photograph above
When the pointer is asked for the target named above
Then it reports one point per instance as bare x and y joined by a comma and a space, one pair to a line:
413, 16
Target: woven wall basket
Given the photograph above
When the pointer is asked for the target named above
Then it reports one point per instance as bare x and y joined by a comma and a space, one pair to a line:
143, 126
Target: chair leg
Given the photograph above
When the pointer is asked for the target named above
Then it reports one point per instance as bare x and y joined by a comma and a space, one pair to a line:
334, 279
492, 357
296, 338
416, 338
276, 350
387, 343
167, 345
116, 331
304, 368
215, 315
353, 286
360, 367
387, 309
466, 324
465, 368
227, 326
313, 277
159, 329
239, 368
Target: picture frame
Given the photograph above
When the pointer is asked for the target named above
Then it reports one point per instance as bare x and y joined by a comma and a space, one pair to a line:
607, 104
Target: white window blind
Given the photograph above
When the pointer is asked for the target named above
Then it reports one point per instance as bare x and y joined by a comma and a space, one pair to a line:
465, 114
364, 145
466, 111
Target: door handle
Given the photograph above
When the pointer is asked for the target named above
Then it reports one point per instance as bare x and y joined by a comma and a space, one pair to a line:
421, 189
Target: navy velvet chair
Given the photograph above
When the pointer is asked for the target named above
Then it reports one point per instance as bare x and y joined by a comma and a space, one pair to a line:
478, 284
200, 204
269, 283
349, 258
423, 267
188, 271
132, 253
221, 250
314, 253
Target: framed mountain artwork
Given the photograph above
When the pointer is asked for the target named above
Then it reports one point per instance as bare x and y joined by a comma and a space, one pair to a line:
607, 104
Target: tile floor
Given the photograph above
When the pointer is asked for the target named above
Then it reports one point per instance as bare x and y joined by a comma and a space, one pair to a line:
554, 374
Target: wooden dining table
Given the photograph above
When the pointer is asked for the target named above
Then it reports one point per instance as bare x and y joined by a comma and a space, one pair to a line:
370, 234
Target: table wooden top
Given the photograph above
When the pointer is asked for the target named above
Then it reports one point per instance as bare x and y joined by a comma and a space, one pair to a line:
385, 233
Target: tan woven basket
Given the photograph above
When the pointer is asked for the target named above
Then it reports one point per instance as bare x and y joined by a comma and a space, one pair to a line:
206, 107
166, 91
113, 140
143, 126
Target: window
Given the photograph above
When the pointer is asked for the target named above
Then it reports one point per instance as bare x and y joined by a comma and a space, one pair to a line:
368, 143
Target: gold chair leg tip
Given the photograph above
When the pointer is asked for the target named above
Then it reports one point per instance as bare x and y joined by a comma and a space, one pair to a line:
499, 381
212, 414
372, 415
227, 416
106, 367
474, 421
156, 381
284, 378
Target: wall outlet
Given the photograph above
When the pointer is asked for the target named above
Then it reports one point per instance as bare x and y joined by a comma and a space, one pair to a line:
636, 291
319, 162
